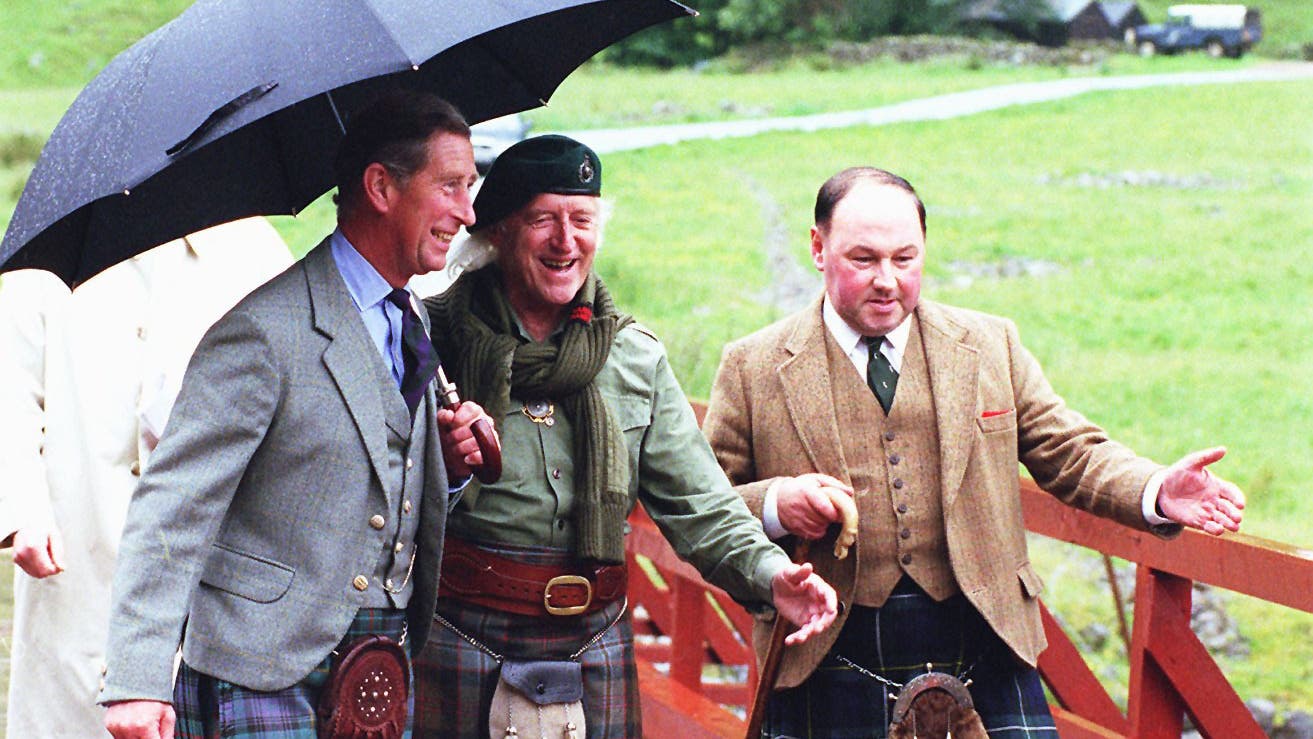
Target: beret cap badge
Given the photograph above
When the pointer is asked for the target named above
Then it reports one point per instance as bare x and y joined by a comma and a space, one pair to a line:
540, 164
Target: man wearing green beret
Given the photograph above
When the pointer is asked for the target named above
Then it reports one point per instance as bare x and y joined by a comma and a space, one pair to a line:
591, 421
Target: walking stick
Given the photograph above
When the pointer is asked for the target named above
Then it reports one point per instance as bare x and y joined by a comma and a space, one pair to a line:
770, 667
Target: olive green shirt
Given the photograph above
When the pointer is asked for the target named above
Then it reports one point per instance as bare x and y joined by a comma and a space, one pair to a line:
672, 472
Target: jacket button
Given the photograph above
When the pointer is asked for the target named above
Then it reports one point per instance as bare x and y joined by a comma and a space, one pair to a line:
376, 521
556, 473
135, 469
360, 582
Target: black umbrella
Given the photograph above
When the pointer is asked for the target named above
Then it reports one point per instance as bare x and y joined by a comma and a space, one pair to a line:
235, 108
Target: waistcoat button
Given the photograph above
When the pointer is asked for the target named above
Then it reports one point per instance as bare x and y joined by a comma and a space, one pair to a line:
360, 582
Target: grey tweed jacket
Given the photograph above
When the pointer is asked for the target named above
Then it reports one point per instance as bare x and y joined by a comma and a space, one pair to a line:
247, 530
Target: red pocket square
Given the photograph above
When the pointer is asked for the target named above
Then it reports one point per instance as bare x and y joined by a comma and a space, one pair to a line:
991, 414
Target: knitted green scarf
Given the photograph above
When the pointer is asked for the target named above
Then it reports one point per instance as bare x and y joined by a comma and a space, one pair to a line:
474, 331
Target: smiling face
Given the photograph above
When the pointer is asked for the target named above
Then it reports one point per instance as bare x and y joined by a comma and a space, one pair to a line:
546, 251
428, 208
871, 255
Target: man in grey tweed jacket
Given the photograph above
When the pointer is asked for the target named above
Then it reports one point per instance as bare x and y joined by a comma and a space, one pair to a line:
294, 491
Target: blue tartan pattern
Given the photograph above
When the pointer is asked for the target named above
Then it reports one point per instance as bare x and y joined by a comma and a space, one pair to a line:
210, 708
895, 642
454, 680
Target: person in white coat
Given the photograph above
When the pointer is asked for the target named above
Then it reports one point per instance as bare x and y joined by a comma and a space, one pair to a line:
87, 379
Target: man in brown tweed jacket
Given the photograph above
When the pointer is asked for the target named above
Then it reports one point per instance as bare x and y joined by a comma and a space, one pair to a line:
940, 573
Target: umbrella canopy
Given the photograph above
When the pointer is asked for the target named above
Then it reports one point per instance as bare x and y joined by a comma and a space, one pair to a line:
235, 108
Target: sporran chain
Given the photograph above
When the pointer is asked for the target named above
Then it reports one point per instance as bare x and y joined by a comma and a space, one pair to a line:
963, 677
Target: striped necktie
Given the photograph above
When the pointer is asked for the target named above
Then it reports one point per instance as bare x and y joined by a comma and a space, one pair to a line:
417, 351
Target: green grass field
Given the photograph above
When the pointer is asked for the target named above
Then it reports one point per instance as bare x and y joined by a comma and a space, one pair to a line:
1174, 224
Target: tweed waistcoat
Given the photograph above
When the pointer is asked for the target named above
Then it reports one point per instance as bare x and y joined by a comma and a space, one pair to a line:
895, 470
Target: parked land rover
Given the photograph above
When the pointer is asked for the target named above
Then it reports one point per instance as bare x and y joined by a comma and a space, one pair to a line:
1221, 30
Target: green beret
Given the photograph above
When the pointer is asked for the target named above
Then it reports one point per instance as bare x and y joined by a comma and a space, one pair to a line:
551, 163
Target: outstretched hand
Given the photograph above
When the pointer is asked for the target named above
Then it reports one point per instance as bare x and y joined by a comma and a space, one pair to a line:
1195, 497
802, 597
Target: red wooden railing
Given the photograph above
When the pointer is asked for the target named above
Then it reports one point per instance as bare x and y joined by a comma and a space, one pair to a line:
683, 624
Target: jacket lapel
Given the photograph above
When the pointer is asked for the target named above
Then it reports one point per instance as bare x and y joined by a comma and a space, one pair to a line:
954, 369
336, 317
805, 376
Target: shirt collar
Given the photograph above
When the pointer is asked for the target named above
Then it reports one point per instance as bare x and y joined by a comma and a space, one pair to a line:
849, 339
366, 286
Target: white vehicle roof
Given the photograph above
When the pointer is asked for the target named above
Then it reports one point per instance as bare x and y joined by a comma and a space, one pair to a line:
1210, 16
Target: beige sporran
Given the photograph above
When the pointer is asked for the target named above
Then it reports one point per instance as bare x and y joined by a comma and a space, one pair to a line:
538, 700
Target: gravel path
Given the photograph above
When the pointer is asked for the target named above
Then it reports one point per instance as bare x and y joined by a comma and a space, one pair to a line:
931, 108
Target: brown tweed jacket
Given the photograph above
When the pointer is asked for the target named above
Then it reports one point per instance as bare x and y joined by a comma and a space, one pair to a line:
772, 414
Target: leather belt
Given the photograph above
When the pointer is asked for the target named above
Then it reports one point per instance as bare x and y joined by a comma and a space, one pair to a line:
501, 583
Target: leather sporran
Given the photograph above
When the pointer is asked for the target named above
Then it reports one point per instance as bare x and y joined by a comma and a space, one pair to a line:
367, 692
538, 699
935, 705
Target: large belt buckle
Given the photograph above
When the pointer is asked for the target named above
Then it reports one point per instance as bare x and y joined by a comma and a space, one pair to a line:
567, 580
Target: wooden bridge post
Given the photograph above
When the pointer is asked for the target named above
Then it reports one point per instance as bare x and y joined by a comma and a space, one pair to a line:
1153, 705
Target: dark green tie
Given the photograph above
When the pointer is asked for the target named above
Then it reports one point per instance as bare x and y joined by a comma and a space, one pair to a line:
880, 375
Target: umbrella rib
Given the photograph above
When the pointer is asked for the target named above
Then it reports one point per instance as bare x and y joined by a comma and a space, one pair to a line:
337, 114
382, 23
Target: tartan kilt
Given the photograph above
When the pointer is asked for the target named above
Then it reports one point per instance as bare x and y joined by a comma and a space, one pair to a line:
895, 642
210, 708
454, 680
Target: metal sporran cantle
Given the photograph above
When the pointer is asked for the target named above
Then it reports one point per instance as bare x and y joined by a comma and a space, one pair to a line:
935, 705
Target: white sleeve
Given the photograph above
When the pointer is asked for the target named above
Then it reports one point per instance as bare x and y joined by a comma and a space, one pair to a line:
31, 307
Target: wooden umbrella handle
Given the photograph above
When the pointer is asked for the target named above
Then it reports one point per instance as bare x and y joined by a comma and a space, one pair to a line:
770, 667
490, 471
489, 448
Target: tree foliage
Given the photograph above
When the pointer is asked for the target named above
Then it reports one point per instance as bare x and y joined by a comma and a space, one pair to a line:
723, 24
